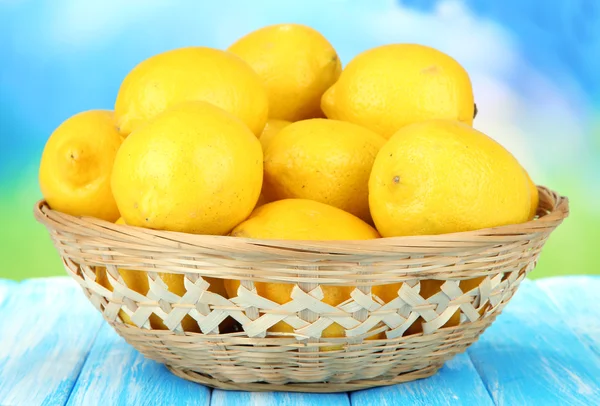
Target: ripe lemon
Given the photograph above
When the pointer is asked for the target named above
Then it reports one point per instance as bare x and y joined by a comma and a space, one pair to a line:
443, 176
194, 169
134, 280
76, 165
388, 87
138, 281
296, 63
186, 74
429, 288
324, 160
301, 219
175, 284
272, 128
261, 201
535, 197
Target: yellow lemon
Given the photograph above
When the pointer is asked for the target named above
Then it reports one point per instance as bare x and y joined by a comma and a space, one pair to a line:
272, 128
301, 219
388, 87
535, 196
324, 160
261, 201
443, 176
131, 280
175, 284
76, 165
135, 280
429, 288
296, 63
187, 74
138, 281
194, 169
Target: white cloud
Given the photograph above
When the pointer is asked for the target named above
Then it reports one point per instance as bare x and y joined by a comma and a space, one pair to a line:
451, 27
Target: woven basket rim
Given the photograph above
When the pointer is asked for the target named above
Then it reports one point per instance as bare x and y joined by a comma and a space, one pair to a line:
495, 260
554, 208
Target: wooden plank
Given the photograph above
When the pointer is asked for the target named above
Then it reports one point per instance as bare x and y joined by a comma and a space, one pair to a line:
576, 297
528, 356
6, 288
236, 398
46, 329
116, 374
457, 383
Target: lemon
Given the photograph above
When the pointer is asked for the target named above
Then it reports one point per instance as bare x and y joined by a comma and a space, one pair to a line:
187, 74
130, 279
301, 219
296, 63
443, 176
134, 280
535, 197
388, 87
261, 201
429, 288
76, 165
324, 160
272, 128
138, 281
175, 284
194, 169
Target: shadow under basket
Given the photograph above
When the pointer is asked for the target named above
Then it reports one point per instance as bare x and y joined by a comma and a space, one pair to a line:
409, 303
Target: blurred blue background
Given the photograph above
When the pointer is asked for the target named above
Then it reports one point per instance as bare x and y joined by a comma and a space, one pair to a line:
534, 66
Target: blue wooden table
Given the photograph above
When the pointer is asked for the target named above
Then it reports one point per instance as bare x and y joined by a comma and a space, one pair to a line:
544, 349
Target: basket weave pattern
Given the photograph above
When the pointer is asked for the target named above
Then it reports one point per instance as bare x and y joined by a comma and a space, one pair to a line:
494, 260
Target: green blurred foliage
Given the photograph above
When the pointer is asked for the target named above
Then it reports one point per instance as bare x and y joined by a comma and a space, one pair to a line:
27, 250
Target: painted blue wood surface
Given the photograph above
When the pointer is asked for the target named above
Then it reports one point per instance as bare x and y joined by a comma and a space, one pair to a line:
116, 374
543, 349
529, 357
457, 383
236, 398
46, 329
6, 288
578, 299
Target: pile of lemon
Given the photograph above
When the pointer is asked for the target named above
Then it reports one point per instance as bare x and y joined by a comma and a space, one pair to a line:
273, 139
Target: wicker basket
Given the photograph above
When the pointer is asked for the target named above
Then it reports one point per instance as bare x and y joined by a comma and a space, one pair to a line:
377, 349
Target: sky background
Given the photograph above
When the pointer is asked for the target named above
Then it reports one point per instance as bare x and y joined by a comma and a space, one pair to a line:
534, 67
